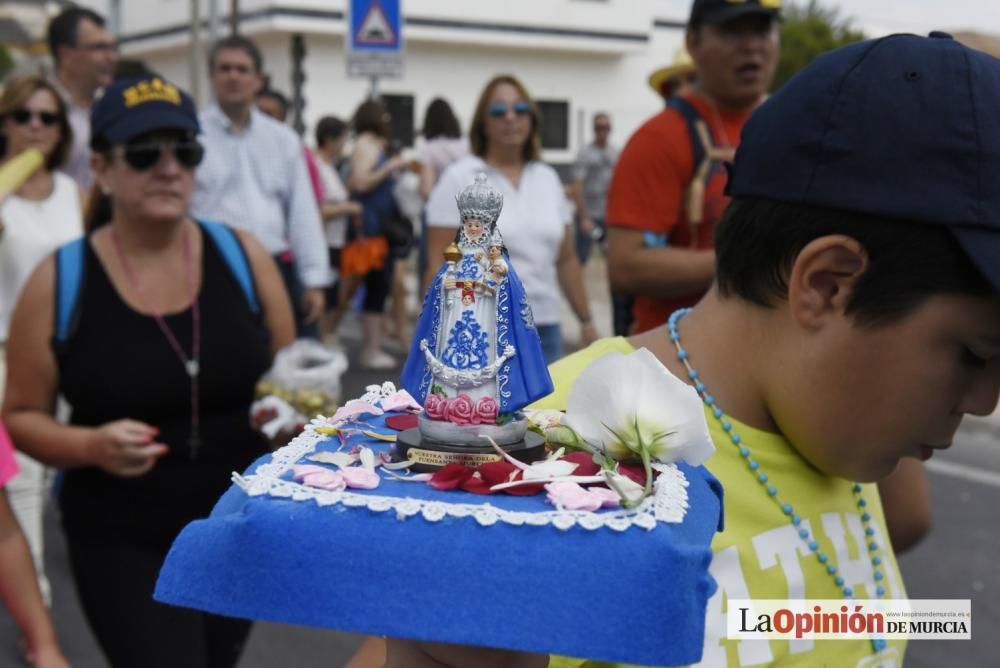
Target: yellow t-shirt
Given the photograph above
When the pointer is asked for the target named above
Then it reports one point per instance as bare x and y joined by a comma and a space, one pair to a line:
760, 554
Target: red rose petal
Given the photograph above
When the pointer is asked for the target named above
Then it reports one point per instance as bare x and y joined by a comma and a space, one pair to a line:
476, 485
401, 422
525, 490
584, 461
496, 473
450, 477
635, 472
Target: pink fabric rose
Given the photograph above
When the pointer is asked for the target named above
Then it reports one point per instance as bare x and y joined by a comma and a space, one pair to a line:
320, 477
487, 410
435, 406
460, 410
358, 477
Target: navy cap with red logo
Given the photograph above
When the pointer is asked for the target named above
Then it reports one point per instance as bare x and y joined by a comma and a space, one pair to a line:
902, 127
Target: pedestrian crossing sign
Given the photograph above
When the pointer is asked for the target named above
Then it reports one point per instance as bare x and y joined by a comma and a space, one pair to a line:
374, 38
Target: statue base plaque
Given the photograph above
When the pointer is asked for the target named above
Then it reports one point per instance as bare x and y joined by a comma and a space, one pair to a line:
429, 456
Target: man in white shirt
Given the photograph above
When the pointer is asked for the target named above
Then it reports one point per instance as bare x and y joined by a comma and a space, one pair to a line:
254, 177
85, 55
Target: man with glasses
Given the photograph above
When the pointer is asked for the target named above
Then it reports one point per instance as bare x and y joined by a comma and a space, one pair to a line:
254, 177
667, 191
85, 55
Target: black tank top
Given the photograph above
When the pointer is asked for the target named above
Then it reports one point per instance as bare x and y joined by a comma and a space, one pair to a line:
118, 364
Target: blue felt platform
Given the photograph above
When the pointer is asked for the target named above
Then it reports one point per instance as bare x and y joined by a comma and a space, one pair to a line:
633, 596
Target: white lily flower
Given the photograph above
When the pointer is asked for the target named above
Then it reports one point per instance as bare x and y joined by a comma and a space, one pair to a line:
631, 406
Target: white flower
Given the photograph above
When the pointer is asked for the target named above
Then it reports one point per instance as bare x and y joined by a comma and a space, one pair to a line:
631, 406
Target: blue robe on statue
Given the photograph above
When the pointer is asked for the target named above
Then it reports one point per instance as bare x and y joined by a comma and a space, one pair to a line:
520, 380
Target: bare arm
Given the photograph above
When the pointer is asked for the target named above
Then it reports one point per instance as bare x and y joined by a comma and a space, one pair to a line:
271, 290
636, 269
571, 282
906, 500
124, 447
19, 591
364, 174
331, 210
575, 193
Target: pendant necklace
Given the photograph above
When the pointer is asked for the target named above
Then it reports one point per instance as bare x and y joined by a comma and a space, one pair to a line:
192, 363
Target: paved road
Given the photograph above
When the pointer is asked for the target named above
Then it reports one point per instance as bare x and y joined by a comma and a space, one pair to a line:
960, 559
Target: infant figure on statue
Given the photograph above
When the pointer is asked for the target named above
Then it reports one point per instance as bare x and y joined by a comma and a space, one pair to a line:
476, 359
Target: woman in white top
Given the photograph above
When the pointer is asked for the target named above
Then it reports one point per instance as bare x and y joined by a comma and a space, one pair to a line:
41, 215
535, 222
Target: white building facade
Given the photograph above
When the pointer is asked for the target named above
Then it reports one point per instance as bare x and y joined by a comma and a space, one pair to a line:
576, 57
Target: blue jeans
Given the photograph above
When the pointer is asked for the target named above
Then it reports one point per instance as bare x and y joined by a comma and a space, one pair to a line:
552, 345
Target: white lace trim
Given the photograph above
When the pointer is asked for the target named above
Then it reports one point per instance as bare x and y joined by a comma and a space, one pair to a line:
668, 503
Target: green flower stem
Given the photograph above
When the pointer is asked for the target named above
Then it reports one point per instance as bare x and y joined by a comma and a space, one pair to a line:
644, 454
614, 485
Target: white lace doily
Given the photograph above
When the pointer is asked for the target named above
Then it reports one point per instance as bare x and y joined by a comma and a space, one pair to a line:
668, 503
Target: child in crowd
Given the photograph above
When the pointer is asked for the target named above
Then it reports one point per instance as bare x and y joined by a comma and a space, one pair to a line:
18, 582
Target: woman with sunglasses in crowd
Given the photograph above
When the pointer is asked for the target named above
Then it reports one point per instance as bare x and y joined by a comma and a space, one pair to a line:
535, 222
43, 212
158, 355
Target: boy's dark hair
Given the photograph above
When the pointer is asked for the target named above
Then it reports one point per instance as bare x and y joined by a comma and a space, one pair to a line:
440, 120
370, 116
237, 42
329, 128
757, 241
64, 27
275, 95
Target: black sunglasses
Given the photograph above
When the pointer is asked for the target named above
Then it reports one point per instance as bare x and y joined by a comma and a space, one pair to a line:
144, 155
499, 109
24, 116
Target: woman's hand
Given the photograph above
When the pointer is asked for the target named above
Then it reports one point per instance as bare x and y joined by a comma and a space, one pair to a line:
125, 447
47, 656
588, 334
353, 208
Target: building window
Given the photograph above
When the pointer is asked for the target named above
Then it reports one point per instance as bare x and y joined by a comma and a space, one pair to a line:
554, 124
400, 108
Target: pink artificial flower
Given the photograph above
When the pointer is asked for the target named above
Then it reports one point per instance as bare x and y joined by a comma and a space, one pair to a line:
609, 498
570, 496
460, 410
487, 410
358, 477
319, 477
400, 401
354, 408
435, 406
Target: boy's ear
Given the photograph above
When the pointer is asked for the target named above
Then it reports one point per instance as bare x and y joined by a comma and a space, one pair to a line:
822, 278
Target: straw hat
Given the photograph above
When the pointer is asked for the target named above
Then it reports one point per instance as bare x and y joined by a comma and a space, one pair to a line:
681, 65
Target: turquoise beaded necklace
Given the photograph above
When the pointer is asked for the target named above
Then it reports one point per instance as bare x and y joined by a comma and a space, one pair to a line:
878, 644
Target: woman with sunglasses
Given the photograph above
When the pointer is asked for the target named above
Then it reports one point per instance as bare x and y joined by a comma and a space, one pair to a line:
535, 222
159, 362
44, 212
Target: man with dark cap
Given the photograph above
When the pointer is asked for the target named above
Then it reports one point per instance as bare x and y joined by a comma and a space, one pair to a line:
667, 191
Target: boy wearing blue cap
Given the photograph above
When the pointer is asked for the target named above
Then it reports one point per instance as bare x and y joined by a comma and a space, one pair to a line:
853, 322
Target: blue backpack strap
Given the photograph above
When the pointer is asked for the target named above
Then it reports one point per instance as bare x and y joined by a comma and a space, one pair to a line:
232, 252
691, 117
69, 276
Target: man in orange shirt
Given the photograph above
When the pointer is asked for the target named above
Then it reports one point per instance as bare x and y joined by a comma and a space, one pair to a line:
668, 187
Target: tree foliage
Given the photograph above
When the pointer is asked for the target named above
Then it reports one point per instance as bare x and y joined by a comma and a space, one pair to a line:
6, 62
808, 31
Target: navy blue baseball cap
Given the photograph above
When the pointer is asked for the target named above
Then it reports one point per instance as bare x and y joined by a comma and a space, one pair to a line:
720, 11
133, 107
901, 127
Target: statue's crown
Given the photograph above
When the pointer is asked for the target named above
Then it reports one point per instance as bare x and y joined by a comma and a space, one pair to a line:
481, 201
